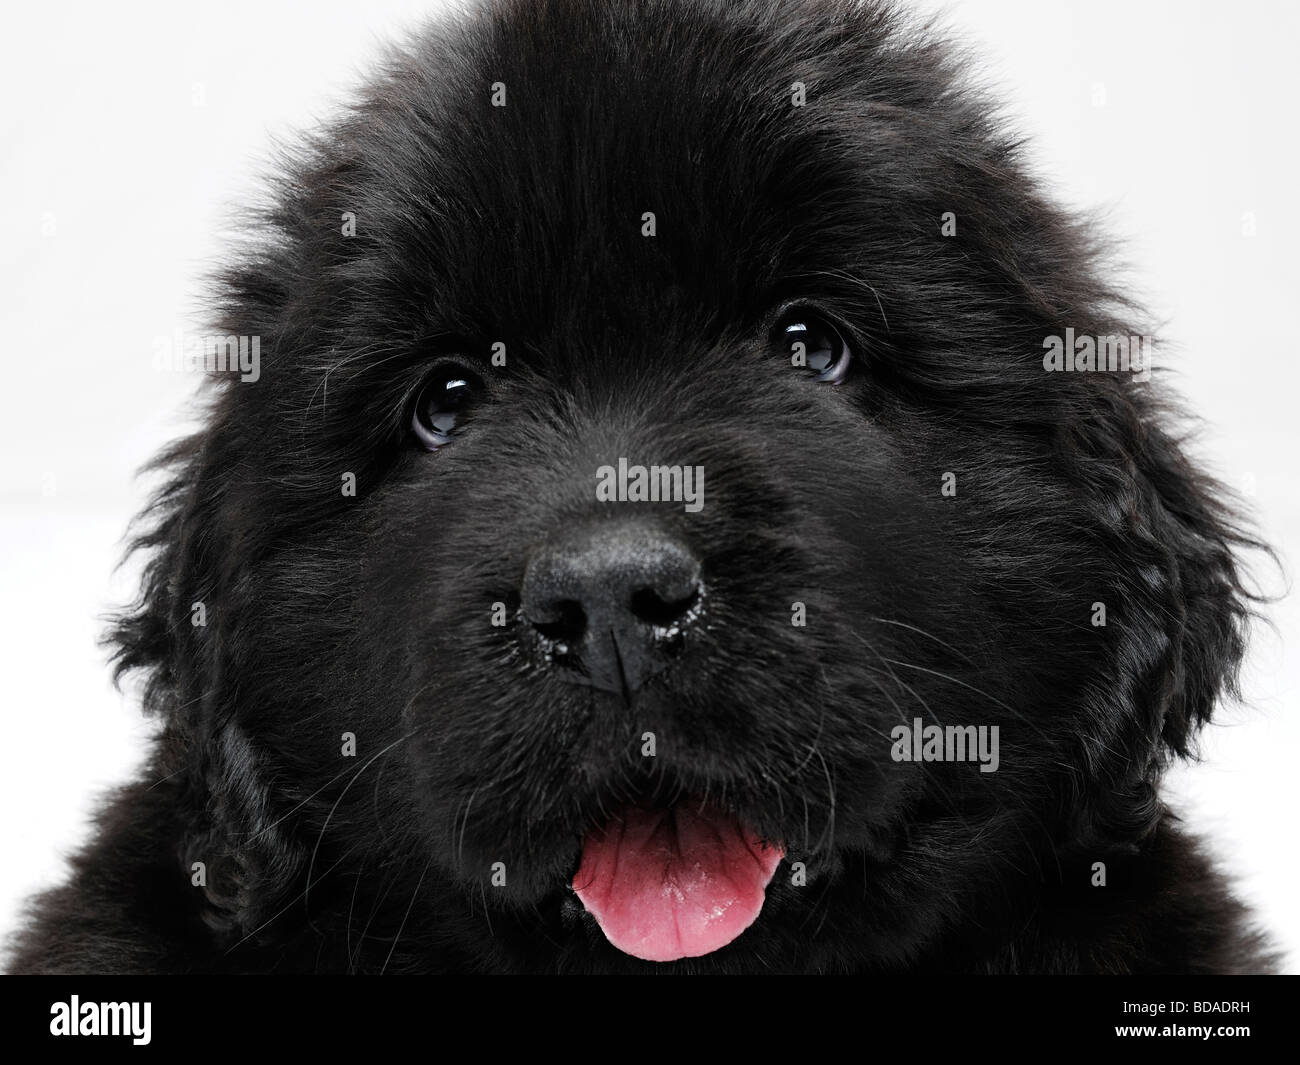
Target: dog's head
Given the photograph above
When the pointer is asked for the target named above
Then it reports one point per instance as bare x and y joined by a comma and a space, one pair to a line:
655, 440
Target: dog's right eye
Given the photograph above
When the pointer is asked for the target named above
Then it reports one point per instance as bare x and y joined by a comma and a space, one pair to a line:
809, 340
440, 408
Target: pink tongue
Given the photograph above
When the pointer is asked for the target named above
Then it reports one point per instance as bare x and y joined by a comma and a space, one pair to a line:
669, 884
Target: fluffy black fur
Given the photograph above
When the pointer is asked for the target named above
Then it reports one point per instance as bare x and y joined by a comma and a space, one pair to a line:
329, 614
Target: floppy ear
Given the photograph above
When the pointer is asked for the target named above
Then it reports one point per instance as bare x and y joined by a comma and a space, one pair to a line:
178, 635
251, 862
1186, 606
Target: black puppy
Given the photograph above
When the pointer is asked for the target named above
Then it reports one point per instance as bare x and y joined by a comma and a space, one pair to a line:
688, 502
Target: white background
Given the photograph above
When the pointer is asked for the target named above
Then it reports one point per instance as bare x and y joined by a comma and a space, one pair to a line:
132, 133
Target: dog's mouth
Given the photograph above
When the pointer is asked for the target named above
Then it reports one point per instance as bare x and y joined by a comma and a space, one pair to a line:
673, 882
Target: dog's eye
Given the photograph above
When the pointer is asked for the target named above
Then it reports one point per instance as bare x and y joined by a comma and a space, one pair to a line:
808, 340
440, 408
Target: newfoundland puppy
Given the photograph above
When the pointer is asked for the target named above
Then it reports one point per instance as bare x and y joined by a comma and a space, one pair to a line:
676, 497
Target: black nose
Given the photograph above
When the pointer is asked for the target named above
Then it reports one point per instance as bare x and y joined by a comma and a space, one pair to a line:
611, 602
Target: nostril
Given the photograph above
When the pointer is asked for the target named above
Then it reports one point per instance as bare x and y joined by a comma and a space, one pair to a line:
563, 621
648, 605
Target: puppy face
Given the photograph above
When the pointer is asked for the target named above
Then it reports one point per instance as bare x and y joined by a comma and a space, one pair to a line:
777, 250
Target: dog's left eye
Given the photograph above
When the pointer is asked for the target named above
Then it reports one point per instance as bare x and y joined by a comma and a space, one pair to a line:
440, 408
807, 339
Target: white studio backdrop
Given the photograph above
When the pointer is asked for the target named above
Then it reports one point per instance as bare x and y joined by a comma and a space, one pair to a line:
132, 135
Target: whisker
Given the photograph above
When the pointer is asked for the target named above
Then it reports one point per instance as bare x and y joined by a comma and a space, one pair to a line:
464, 823
409, 906
929, 636
1018, 714
871, 647
292, 902
355, 776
